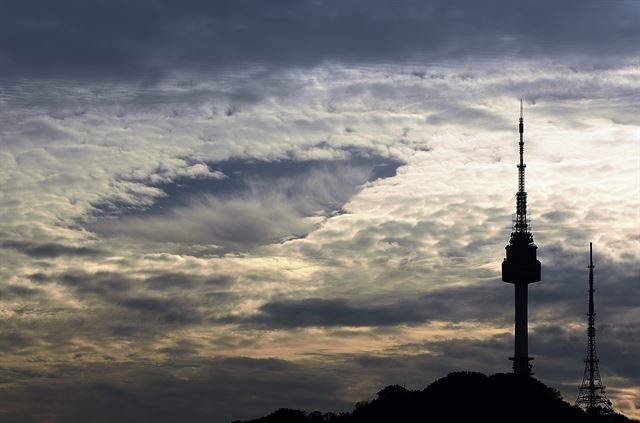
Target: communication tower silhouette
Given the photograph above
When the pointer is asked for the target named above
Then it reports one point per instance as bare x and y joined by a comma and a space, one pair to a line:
521, 267
591, 395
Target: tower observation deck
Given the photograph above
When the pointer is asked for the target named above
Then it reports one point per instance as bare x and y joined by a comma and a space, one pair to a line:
521, 267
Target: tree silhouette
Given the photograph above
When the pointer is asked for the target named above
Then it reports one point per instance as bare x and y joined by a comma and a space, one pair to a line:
460, 396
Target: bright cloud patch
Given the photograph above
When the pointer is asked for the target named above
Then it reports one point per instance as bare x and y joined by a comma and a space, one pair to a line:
258, 203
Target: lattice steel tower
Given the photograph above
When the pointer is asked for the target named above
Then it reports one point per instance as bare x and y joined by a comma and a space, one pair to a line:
591, 396
521, 267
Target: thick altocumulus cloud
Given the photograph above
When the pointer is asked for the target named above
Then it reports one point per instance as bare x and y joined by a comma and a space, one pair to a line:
399, 268
50, 250
149, 39
306, 200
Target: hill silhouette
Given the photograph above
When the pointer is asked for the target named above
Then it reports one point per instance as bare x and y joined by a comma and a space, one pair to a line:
461, 396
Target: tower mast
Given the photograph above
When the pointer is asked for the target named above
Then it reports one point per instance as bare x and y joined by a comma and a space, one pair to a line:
591, 395
521, 267
521, 226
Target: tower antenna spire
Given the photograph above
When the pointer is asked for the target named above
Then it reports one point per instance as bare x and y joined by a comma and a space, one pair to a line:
521, 227
591, 395
521, 108
521, 267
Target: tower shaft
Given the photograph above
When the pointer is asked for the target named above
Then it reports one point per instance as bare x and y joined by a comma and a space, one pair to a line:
591, 395
521, 345
521, 267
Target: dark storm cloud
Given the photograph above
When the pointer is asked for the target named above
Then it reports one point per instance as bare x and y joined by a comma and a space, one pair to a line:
164, 310
190, 388
218, 390
563, 290
159, 300
147, 39
112, 283
561, 296
558, 346
474, 303
12, 341
50, 249
182, 280
224, 389
103, 284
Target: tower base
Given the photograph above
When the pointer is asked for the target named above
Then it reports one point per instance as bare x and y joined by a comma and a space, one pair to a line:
521, 365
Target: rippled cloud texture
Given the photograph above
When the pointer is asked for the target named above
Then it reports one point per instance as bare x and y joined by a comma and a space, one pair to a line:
210, 210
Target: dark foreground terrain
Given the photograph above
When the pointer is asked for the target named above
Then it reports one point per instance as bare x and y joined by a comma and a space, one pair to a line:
464, 396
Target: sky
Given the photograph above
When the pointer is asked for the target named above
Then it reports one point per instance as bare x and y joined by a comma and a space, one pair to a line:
213, 209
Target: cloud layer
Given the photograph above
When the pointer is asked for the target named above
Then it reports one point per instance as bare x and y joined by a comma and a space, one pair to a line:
150, 39
215, 209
